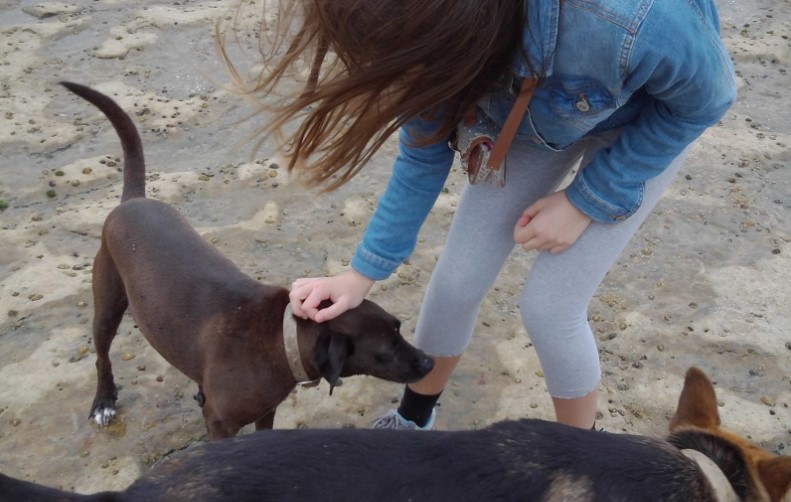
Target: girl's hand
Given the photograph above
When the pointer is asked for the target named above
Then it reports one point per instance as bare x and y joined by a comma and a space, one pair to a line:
346, 291
551, 224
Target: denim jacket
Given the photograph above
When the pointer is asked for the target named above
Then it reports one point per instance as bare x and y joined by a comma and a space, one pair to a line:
656, 69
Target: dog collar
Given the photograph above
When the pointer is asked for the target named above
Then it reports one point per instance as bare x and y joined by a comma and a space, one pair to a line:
723, 491
292, 347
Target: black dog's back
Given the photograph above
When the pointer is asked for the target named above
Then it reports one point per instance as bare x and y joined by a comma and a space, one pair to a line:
523, 460
134, 161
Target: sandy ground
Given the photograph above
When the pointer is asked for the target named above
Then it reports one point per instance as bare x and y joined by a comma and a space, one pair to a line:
704, 282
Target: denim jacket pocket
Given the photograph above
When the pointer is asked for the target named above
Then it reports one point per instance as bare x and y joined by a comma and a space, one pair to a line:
498, 105
580, 103
528, 132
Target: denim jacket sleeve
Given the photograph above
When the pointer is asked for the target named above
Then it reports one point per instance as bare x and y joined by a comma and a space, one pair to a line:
691, 85
419, 173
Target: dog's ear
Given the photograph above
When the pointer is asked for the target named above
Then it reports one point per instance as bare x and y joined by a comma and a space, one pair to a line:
775, 474
697, 404
330, 356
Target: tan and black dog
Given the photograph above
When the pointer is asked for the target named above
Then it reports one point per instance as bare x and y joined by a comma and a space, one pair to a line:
218, 326
525, 460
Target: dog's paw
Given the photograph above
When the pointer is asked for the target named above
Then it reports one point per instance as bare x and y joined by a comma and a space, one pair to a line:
103, 416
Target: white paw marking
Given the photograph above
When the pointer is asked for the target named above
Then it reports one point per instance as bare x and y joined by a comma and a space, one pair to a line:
103, 416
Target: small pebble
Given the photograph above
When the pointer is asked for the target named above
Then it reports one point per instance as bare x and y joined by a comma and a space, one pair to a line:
127, 356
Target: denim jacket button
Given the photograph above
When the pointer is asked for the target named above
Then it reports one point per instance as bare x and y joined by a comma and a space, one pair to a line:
582, 105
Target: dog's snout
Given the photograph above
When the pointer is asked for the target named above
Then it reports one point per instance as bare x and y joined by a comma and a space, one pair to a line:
423, 365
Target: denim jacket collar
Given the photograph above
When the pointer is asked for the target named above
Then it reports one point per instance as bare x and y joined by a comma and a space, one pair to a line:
540, 38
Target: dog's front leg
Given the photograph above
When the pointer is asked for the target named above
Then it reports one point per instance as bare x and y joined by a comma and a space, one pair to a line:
265, 422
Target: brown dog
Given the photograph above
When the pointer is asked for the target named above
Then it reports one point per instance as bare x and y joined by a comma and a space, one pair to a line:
218, 326
525, 460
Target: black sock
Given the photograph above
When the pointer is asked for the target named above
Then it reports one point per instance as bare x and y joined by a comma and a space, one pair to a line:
417, 407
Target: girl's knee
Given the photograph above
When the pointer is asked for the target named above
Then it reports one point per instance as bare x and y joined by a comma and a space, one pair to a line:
540, 313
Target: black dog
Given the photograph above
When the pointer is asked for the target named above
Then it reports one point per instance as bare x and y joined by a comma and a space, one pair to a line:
218, 326
526, 460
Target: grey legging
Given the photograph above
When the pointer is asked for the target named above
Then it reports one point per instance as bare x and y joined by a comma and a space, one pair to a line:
558, 287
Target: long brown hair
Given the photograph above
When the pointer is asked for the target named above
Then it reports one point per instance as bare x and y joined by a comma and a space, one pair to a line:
368, 66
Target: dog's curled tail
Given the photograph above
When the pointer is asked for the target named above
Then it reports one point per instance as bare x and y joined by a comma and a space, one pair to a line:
134, 162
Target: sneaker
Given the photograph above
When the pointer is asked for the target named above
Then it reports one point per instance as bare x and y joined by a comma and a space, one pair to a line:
393, 420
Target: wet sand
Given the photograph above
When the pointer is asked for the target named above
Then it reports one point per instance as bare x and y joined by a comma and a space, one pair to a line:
704, 282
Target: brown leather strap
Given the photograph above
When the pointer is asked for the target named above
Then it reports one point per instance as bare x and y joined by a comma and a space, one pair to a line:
508, 131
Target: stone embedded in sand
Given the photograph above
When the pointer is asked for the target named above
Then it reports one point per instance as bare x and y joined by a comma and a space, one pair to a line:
122, 42
45, 10
768, 401
127, 356
35, 297
408, 274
